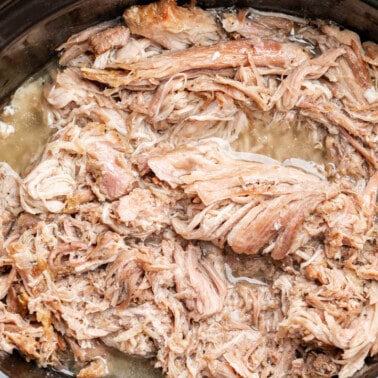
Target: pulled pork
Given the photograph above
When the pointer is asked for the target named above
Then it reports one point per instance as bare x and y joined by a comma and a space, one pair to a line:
147, 227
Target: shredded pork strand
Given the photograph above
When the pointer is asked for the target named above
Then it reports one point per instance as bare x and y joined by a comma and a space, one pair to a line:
146, 227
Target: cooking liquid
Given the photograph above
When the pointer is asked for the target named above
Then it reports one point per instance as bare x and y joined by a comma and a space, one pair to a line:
283, 139
25, 112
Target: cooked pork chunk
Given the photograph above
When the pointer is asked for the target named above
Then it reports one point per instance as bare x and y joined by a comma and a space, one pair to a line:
223, 54
109, 39
251, 205
92, 163
172, 26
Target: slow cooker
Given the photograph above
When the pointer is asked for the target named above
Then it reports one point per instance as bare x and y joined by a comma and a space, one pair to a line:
30, 30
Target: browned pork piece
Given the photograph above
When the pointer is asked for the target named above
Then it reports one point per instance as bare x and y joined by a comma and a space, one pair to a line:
253, 206
34, 340
108, 39
371, 49
77, 45
172, 26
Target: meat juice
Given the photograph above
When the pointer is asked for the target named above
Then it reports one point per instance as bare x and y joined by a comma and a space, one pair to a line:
25, 112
